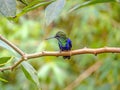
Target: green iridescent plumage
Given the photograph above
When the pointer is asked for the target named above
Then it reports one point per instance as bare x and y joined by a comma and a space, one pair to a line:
61, 37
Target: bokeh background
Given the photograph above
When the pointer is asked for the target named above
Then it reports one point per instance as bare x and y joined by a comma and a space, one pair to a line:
93, 26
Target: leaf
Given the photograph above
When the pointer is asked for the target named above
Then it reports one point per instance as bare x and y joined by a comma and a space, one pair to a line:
30, 73
35, 4
1, 79
8, 8
24, 2
31, 6
53, 10
4, 60
89, 3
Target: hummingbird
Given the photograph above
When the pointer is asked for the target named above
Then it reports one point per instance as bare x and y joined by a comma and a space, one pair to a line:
65, 44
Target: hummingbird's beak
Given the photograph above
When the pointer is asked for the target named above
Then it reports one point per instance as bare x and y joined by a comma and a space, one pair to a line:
49, 38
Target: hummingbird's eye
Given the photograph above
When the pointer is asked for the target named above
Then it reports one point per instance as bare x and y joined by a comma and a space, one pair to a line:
57, 36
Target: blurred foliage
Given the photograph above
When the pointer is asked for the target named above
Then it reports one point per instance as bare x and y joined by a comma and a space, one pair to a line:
93, 26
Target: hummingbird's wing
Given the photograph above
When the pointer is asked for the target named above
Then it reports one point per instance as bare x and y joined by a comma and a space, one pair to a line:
60, 46
70, 43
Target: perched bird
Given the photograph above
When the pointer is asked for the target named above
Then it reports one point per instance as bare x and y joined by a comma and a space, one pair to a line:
64, 42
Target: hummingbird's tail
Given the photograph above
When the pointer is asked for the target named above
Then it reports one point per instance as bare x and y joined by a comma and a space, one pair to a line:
66, 57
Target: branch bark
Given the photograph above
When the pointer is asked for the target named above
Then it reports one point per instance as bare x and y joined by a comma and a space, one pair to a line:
75, 52
25, 56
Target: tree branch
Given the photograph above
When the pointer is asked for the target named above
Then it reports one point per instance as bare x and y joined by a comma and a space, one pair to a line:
25, 56
84, 75
12, 46
75, 52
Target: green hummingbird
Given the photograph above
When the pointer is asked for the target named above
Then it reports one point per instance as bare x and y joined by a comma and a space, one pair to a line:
65, 44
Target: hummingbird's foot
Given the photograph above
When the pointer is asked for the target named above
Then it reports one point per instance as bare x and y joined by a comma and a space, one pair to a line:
70, 52
59, 52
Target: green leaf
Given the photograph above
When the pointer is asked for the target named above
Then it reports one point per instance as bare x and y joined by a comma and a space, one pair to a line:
35, 5
53, 10
4, 60
1, 79
30, 73
31, 6
8, 8
24, 2
91, 2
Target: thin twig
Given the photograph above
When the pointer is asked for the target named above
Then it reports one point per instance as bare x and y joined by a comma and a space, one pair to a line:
17, 63
12, 46
84, 75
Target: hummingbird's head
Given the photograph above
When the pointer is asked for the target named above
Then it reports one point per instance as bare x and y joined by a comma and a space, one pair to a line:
59, 35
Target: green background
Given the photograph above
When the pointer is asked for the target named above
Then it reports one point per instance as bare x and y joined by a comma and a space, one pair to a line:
92, 26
